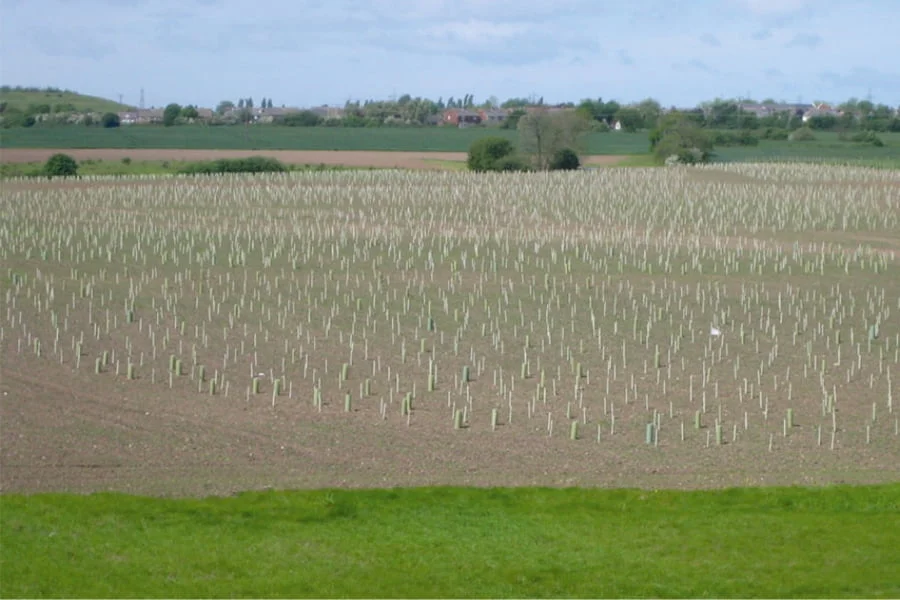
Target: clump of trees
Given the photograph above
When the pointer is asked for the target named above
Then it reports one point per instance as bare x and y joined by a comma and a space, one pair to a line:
494, 153
679, 140
110, 120
543, 135
304, 118
60, 165
547, 142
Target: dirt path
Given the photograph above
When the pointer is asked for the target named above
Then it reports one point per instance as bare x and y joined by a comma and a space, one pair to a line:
383, 159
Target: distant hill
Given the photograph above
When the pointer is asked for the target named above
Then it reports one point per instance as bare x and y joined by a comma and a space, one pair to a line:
58, 100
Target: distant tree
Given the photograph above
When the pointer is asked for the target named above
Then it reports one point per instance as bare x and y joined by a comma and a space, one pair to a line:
224, 106
170, 114
189, 112
88, 120
110, 120
564, 159
679, 139
38, 109
822, 122
240, 103
650, 111
245, 115
3, 106
249, 102
629, 118
304, 118
542, 134
270, 103
484, 153
60, 165
512, 119
515, 103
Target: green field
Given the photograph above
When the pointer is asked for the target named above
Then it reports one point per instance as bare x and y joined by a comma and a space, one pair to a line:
457, 542
21, 100
437, 139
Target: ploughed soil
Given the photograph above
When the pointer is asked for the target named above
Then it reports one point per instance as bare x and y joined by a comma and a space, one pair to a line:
348, 158
71, 430
65, 428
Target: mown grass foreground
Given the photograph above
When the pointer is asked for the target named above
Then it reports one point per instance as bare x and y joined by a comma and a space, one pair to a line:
457, 542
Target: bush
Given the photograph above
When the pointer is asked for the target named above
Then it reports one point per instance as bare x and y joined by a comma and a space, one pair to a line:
775, 133
252, 164
126, 160
60, 165
734, 138
678, 135
304, 118
804, 134
485, 152
110, 120
867, 137
564, 159
512, 163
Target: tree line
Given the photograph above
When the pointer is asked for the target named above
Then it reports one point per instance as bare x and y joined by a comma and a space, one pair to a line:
600, 114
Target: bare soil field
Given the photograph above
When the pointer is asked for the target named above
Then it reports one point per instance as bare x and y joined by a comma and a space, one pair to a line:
259, 280
405, 160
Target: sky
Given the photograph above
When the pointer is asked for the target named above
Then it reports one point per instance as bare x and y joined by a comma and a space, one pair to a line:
309, 53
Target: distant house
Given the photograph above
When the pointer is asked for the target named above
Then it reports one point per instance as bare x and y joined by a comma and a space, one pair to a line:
492, 116
328, 112
820, 110
762, 111
461, 117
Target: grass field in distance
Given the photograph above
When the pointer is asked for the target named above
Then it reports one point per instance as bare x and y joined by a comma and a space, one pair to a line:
20, 99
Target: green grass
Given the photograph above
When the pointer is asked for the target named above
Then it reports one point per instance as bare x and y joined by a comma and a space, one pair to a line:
82, 103
457, 542
826, 147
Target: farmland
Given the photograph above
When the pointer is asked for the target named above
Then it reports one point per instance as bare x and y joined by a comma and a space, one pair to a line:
403, 139
456, 312
690, 328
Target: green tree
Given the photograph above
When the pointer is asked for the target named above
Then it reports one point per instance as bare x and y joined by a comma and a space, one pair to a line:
224, 106
189, 112
512, 119
304, 118
61, 165
630, 118
110, 120
650, 111
564, 159
486, 152
171, 114
678, 138
542, 134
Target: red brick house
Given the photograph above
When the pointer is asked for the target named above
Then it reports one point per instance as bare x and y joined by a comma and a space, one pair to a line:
461, 117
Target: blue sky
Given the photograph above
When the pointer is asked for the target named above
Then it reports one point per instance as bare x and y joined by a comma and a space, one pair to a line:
308, 52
